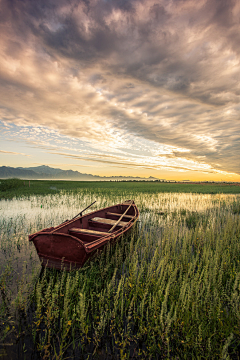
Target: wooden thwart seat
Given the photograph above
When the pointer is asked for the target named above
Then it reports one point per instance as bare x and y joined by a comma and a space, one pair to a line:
108, 221
116, 214
87, 231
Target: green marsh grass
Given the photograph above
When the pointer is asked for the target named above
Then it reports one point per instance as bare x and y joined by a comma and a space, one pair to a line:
171, 290
10, 188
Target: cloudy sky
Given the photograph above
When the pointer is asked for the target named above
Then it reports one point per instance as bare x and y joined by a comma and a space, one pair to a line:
122, 87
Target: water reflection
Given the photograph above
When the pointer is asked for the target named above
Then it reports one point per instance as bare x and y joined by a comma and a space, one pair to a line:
20, 217
19, 263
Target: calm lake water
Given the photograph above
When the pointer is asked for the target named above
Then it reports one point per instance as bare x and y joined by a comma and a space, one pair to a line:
19, 263
21, 217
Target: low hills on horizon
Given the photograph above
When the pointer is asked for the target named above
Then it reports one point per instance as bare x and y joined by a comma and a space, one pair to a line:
45, 172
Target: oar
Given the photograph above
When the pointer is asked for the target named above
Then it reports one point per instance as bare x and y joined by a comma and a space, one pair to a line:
113, 227
83, 210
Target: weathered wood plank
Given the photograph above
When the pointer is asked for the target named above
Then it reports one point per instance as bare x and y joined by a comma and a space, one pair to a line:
119, 220
116, 214
108, 221
87, 231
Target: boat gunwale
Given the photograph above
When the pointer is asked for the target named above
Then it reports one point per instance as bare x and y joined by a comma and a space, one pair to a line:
73, 220
89, 247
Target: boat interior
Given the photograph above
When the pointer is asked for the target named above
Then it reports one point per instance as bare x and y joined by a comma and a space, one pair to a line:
102, 223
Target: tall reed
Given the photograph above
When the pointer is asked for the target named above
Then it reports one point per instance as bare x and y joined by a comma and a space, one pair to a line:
170, 290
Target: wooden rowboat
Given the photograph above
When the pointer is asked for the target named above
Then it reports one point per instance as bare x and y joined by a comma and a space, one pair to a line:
71, 244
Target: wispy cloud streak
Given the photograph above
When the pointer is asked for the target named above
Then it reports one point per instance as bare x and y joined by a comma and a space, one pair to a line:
164, 72
13, 153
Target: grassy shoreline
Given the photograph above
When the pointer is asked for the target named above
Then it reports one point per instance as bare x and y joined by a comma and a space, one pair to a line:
11, 188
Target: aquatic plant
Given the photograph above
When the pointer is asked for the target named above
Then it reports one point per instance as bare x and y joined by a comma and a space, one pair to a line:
170, 290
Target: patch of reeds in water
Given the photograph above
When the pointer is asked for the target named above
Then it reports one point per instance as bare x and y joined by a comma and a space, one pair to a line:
170, 290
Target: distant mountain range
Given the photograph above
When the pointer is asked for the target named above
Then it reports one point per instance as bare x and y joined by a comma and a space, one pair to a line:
47, 173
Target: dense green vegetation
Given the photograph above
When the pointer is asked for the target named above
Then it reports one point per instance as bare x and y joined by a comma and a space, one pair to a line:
10, 185
10, 188
169, 291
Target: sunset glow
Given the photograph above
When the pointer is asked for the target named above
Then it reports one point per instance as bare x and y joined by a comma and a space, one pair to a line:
122, 88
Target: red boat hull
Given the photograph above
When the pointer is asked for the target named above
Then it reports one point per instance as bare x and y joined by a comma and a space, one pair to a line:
69, 245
